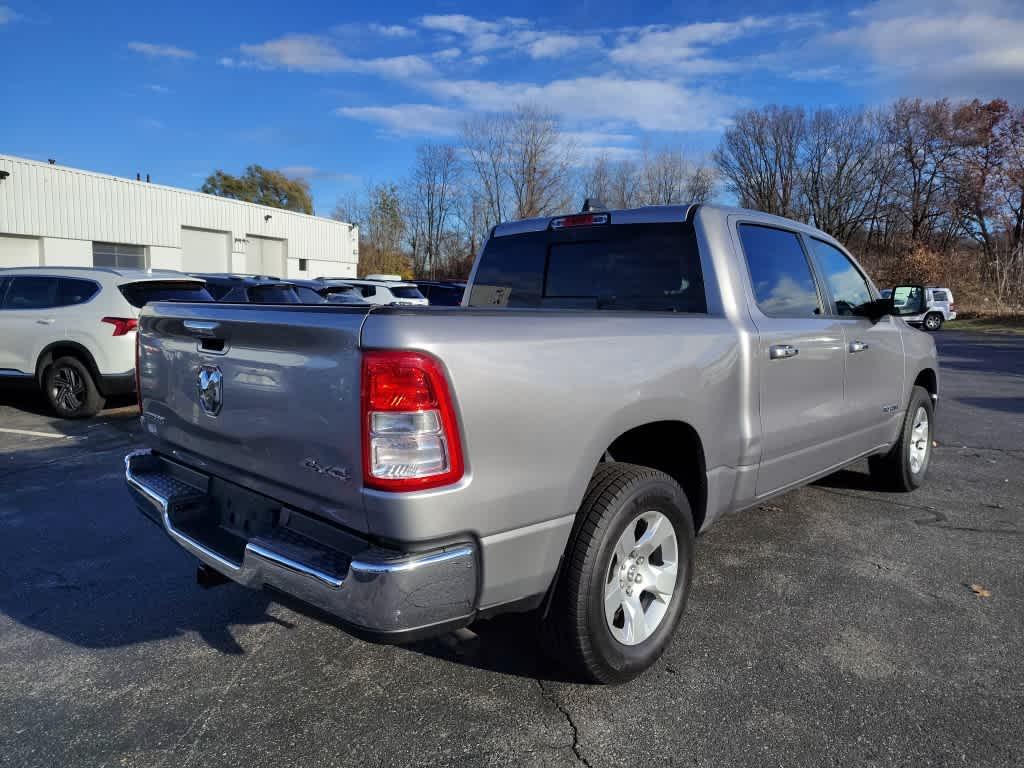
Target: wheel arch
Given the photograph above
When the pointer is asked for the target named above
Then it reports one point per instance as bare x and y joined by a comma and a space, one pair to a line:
670, 446
929, 380
65, 348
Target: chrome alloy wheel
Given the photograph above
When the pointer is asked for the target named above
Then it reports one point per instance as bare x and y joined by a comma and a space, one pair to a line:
932, 322
920, 439
641, 578
68, 389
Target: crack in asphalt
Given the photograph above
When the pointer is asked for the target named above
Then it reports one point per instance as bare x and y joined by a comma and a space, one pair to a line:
577, 748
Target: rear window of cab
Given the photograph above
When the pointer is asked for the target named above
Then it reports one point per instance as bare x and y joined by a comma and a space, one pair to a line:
638, 267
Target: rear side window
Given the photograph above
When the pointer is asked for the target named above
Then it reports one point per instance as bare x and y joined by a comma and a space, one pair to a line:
140, 294
847, 285
368, 290
779, 272
647, 267
33, 293
273, 294
406, 292
308, 295
939, 296
72, 291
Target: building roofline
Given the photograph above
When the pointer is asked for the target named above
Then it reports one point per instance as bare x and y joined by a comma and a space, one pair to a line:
165, 187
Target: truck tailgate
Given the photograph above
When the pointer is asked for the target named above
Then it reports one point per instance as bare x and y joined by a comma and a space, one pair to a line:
285, 416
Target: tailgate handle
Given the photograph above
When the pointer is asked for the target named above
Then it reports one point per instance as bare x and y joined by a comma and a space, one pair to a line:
201, 327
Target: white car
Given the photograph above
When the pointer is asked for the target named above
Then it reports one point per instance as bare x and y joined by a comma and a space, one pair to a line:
388, 292
940, 308
71, 330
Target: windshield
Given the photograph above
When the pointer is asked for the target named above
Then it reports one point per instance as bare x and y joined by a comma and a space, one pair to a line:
650, 267
140, 294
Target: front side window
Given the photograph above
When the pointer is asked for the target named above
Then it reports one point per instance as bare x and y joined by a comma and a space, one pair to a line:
33, 293
118, 255
779, 272
847, 285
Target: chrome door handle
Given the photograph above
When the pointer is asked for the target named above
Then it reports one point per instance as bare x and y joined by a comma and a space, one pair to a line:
858, 346
45, 321
782, 351
201, 327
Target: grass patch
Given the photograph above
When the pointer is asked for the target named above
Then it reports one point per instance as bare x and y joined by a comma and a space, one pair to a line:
989, 324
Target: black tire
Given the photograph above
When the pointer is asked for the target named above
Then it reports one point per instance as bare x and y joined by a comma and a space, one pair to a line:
70, 388
893, 471
933, 321
576, 631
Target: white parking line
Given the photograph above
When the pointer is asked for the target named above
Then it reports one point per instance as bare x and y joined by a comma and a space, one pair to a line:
30, 433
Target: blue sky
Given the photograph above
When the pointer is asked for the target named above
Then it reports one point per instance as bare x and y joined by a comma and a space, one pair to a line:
341, 93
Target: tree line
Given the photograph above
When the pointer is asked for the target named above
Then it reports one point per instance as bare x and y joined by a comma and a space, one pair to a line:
928, 191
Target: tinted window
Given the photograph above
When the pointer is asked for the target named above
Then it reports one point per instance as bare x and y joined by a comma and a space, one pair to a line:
32, 293
118, 255
653, 267
779, 272
72, 291
845, 282
140, 294
307, 295
406, 292
939, 296
273, 294
368, 290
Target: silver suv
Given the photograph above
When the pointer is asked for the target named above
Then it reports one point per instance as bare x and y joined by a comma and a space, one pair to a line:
71, 330
939, 308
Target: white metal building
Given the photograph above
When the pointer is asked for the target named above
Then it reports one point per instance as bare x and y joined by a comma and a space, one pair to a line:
56, 216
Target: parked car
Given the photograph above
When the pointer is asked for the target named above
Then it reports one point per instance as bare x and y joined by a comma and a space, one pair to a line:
249, 289
444, 293
939, 308
71, 330
389, 292
617, 382
332, 291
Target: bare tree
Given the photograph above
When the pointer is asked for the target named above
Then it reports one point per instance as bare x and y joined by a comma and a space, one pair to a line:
432, 201
485, 139
537, 163
759, 155
596, 182
663, 177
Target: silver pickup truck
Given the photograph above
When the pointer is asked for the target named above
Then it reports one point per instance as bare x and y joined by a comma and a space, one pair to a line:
613, 383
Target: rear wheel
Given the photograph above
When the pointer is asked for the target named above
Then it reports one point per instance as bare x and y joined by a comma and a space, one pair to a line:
933, 321
626, 575
904, 467
71, 390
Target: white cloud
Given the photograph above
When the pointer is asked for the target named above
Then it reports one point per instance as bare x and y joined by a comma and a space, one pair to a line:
408, 119
311, 173
508, 33
685, 49
937, 47
447, 54
310, 53
157, 88
392, 30
157, 50
7, 14
655, 105
226, 61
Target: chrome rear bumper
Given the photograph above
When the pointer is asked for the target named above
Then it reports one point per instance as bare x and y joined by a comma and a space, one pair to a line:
387, 594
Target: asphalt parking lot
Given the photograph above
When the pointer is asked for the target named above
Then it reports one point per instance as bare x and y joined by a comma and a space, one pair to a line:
833, 626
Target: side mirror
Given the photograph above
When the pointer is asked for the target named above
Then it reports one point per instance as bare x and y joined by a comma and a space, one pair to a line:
875, 310
908, 300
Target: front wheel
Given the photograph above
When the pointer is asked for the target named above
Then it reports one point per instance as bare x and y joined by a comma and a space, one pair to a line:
933, 321
626, 575
904, 467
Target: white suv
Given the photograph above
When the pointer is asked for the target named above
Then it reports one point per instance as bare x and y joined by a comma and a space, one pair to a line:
387, 291
939, 308
72, 330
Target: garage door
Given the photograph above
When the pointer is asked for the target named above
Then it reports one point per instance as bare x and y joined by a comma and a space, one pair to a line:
205, 250
19, 251
265, 256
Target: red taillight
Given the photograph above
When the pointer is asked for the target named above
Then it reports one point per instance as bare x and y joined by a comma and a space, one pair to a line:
579, 220
410, 434
138, 379
122, 324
